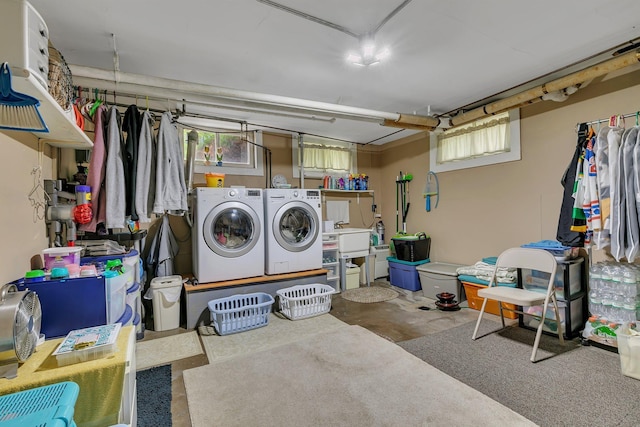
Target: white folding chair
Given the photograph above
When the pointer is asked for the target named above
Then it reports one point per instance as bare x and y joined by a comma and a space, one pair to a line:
534, 259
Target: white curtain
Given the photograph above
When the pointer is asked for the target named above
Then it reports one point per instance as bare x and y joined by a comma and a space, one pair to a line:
480, 138
326, 157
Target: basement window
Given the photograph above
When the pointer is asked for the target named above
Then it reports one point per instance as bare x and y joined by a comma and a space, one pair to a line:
233, 149
488, 141
322, 156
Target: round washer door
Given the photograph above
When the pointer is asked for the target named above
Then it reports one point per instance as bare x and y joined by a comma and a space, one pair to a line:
296, 226
231, 229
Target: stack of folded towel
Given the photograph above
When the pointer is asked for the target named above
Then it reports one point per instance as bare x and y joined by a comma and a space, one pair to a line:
483, 270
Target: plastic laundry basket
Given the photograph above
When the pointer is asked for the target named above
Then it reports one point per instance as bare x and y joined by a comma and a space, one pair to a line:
51, 405
629, 350
165, 293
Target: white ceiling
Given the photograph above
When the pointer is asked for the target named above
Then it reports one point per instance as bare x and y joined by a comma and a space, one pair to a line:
445, 54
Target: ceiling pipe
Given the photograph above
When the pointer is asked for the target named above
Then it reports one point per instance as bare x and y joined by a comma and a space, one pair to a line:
535, 94
169, 88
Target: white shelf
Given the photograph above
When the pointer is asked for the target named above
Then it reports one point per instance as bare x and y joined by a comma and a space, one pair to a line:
327, 190
62, 131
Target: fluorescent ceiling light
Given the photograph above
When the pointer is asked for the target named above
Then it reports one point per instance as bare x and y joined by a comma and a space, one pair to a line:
368, 55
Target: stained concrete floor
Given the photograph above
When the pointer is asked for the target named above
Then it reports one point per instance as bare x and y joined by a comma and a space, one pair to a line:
400, 319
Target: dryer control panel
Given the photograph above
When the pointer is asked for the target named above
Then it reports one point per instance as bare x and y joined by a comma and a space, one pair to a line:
313, 194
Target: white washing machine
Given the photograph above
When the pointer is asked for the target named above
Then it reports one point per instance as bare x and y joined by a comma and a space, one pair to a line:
293, 221
228, 233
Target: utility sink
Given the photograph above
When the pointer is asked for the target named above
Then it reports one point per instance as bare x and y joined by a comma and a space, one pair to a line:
353, 239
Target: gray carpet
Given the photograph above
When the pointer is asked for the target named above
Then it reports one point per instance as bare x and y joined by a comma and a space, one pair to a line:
570, 386
344, 377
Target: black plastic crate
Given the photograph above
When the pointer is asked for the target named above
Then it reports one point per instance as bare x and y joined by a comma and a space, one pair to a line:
412, 249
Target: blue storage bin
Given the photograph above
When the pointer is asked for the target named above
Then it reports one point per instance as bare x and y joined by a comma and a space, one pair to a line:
403, 274
69, 304
127, 317
51, 405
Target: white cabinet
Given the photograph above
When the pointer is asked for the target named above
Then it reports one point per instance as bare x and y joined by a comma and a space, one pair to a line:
25, 38
330, 259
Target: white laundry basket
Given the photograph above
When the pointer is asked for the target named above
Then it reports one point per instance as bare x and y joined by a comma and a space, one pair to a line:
165, 293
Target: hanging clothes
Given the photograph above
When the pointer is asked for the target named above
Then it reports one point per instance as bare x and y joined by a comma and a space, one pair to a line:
632, 236
591, 200
131, 126
114, 182
579, 220
564, 234
96, 173
602, 238
171, 190
145, 185
163, 250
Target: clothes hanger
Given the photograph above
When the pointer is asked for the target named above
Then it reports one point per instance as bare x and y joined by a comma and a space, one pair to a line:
96, 103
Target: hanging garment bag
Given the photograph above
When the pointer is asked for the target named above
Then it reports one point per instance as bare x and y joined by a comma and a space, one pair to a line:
614, 137
632, 236
602, 238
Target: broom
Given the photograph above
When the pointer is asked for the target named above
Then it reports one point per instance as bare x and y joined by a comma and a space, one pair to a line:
17, 110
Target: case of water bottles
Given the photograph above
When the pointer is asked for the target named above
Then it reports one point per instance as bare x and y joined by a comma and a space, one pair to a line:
613, 300
613, 291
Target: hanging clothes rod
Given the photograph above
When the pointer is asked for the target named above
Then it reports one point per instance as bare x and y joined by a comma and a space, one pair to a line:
183, 113
625, 116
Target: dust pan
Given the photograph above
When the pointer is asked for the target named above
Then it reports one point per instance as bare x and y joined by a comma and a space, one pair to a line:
17, 110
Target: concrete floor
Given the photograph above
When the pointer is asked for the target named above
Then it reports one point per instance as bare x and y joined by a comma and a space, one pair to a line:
397, 320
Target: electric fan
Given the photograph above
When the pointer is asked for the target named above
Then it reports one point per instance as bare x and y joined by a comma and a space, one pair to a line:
20, 317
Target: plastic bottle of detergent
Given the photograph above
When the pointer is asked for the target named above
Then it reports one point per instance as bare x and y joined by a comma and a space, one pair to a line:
380, 232
373, 241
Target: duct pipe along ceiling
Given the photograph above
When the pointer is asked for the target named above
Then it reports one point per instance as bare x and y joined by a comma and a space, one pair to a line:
181, 90
535, 94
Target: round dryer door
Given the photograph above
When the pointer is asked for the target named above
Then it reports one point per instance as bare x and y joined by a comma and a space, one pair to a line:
296, 226
231, 229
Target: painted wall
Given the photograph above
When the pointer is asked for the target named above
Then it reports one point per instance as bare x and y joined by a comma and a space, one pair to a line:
486, 210
23, 233
482, 211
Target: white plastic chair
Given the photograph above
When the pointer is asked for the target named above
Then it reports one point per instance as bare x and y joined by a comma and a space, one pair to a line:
534, 259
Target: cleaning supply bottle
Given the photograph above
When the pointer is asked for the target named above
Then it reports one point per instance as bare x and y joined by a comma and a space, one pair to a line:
380, 231
373, 241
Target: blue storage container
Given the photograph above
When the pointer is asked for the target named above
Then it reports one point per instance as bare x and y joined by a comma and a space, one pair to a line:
51, 405
127, 317
69, 304
403, 274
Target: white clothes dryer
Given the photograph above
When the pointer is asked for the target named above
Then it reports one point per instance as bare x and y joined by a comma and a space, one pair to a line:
228, 233
293, 219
